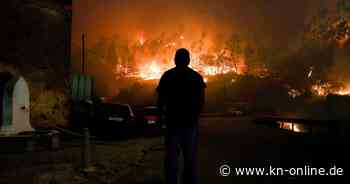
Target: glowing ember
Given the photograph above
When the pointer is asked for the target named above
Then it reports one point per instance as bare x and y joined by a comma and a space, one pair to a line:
211, 70
343, 92
321, 89
297, 128
141, 40
294, 93
294, 127
215, 70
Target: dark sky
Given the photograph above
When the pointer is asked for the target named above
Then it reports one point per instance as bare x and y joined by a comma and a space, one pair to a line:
276, 20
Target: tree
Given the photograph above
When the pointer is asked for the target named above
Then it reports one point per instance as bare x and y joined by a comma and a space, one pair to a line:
331, 25
235, 47
111, 55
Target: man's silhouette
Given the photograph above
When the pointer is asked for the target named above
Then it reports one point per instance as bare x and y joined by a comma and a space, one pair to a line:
180, 99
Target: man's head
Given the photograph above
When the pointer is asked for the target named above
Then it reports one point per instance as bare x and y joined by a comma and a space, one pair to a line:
182, 57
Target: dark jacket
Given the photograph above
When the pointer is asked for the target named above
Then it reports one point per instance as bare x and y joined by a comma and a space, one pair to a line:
181, 96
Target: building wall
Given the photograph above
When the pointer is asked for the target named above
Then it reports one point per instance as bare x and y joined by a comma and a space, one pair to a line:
35, 43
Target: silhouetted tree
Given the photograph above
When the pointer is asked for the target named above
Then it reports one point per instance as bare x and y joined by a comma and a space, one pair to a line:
332, 23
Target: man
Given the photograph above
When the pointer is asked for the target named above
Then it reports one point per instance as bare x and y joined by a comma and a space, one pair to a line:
180, 100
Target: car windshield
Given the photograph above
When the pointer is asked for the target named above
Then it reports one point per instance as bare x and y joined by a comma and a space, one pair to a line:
151, 111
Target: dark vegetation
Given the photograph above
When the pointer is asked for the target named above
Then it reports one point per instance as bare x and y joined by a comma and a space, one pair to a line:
35, 44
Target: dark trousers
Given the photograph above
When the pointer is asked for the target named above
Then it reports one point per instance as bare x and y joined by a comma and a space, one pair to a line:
185, 140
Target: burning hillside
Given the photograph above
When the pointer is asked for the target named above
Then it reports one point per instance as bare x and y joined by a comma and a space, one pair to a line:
324, 89
152, 58
137, 40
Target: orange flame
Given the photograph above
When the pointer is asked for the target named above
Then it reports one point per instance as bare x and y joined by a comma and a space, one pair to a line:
150, 60
154, 70
142, 39
328, 88
150, 72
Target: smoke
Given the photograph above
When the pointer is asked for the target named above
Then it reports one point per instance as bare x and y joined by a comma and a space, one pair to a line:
271, 20
339, 70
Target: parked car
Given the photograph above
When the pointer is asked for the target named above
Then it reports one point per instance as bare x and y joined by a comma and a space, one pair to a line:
235, 111
151, 121
117, 120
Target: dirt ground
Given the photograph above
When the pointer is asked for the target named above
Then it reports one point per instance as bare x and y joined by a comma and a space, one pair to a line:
237, 142
110, 161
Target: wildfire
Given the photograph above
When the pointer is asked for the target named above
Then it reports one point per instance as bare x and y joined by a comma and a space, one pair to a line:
151, 71
205, 79
294, 127
141, 39
154, 70
321, 89
215, 70
343, 92
327, 88
150, 59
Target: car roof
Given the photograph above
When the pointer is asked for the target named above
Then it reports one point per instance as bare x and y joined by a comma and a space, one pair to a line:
150, 107
116, 104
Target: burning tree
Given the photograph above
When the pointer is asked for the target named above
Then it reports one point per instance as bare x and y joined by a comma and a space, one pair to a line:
152, 56
330, 27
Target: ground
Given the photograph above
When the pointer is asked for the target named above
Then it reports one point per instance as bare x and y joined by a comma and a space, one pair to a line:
237, 142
